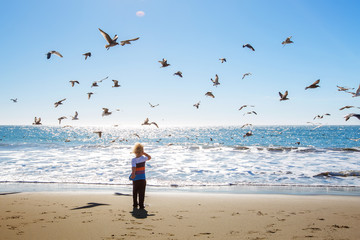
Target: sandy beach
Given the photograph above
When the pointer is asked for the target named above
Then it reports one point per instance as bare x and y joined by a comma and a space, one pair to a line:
178, 216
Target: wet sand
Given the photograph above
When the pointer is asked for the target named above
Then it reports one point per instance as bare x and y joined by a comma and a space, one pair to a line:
178, 216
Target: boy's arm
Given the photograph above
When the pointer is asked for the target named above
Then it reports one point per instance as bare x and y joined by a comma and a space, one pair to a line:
133, 172
147, 155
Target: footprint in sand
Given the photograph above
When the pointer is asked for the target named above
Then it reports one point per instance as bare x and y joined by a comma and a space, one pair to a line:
201, 234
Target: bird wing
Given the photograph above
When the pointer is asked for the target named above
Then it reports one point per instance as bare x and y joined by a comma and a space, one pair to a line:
316, 82
56, 53
155, 124
281, 96
285, 94
216, 78
115, 82
106, 36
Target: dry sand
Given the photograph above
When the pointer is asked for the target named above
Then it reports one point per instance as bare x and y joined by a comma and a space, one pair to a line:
178, 216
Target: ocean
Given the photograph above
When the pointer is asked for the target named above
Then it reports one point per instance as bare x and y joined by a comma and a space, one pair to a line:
290, 159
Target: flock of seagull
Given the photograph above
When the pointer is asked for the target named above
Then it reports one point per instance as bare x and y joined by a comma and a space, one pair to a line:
112, 42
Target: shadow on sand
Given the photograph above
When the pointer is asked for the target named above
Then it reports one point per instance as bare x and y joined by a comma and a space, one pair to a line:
91, 205
140, 213
9, 193
122, 194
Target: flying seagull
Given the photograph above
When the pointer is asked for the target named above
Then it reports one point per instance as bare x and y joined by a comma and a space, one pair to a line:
287, 41
243, 106
248, 46
178, 73
164, 63
210, 94
343, 88
197, 105
99, 133
252, 112
122, 43
321, 116
222, 60
88, 54
248, 134
347, 117
245, 125
146, 122
346, 107
48, 55
111, 41
314, 84
357, 93
106, 112
59, 102
75, 117
89, 94
73, 82
245, 74
14, 100
116, 83
216, 81
283, 97
37, 121
61, 118
153, 105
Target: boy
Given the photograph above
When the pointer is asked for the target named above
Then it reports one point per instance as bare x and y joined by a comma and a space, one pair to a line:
138, 175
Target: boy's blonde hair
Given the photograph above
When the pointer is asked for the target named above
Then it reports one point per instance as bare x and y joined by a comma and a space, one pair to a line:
138, 148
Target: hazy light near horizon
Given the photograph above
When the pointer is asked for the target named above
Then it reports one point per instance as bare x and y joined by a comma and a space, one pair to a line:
140, 13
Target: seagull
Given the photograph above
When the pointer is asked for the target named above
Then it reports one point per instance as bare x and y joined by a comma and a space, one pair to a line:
99, 133
252, 112
37, 121
343, 88
89, 94
314, 85
246, 74
112, 141
59, 102
14, 100
122, 43
245, 125
73, 82
249, 46
357, 93
216, 81
94, 84
178, 73
283, 97
136, 135
116, 83
164, 63
248, 134
106, 112
357, 139
75, 117
88, 54
352, 115
197, 105
153, 105
146, 122
210, 94
321, 116
48, 55
346, 107
287, 41
111, 41
61, 118
222, 60
243, 106
103, 79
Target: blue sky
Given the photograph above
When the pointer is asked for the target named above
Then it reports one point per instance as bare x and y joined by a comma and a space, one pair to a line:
192, 36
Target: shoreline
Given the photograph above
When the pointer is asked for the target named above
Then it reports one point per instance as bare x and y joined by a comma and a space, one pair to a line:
35, 187
84, 215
